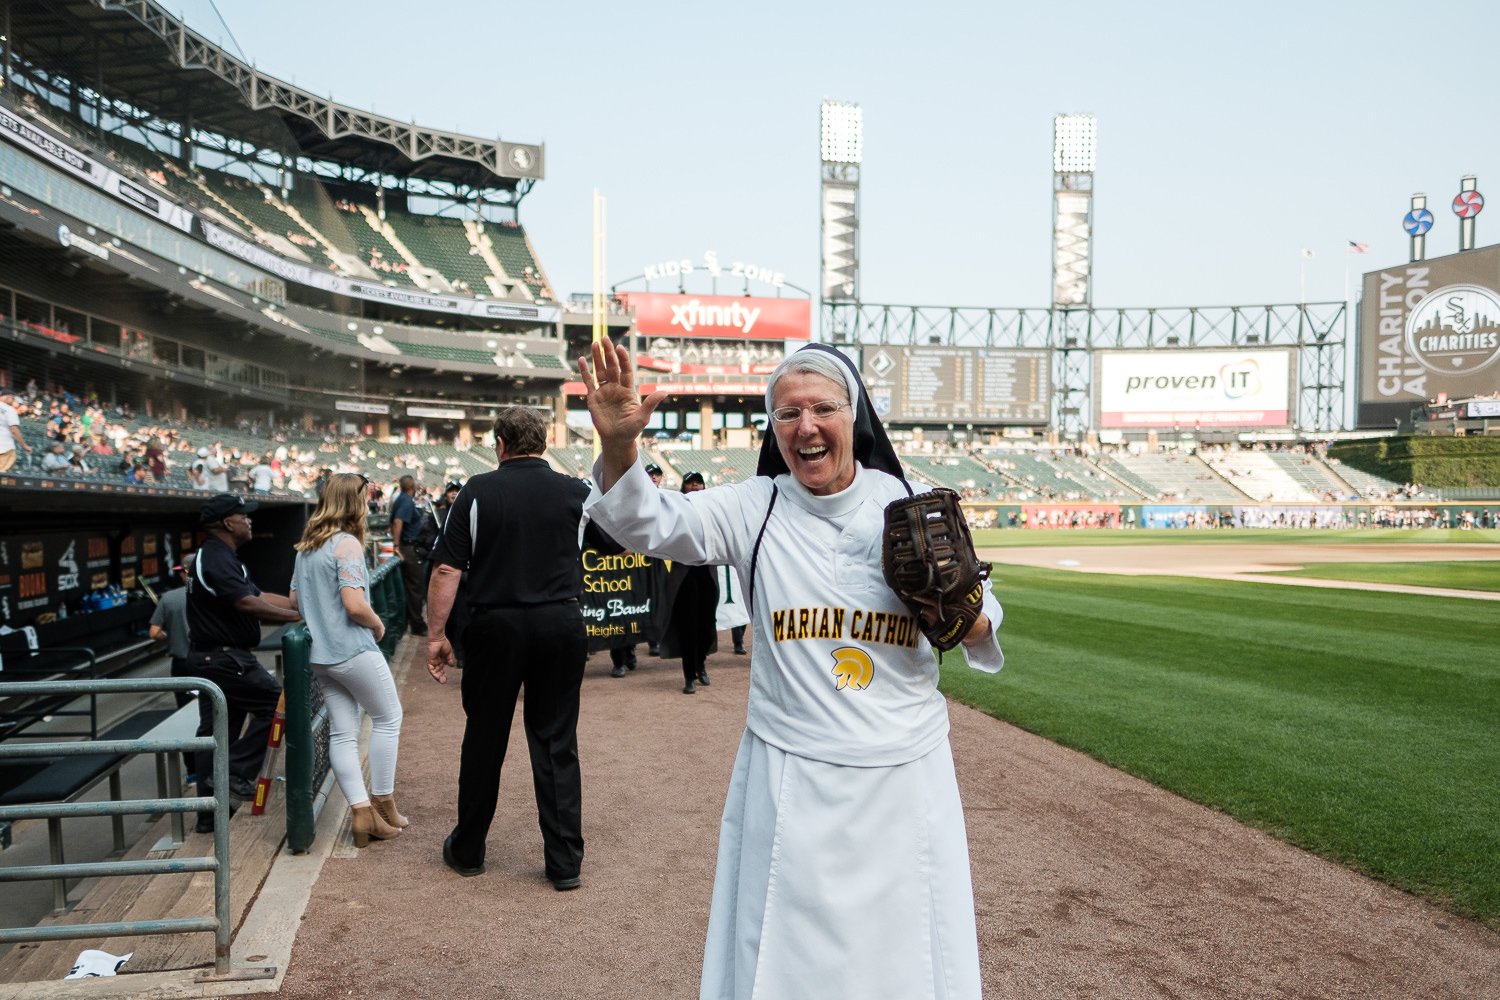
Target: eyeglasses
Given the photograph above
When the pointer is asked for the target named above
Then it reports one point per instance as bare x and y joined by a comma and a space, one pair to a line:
820, 411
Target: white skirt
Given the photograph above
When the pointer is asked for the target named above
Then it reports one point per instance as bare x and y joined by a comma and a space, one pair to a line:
841, 882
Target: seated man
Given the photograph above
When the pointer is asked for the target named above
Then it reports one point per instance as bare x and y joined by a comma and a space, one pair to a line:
56, 462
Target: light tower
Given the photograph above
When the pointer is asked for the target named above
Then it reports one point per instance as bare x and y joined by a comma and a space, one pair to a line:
842, 146
1072, 210
1072, 266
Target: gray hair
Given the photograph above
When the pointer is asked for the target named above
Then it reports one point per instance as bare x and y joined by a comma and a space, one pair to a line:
815, 363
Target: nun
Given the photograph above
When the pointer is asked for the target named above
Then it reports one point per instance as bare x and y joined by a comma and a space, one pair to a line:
843, 863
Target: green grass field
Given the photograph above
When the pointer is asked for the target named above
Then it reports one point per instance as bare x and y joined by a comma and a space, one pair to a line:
1455, 575
1014, 538
1362, 726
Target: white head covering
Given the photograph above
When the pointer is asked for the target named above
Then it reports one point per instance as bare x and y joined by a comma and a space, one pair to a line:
819, 363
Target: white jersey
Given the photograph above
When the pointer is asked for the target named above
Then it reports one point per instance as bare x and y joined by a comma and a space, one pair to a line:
840, 672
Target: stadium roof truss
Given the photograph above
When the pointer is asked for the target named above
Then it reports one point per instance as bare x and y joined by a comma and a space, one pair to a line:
1316, 330
138, 64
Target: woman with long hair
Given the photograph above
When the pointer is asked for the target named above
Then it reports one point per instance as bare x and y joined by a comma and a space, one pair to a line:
330, 586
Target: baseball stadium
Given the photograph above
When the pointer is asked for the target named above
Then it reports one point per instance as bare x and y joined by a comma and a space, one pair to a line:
1244, 744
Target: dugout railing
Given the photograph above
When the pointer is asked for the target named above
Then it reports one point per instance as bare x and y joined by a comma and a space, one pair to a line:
54, 812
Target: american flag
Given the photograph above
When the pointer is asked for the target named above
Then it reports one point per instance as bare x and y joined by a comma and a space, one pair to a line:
1358, 247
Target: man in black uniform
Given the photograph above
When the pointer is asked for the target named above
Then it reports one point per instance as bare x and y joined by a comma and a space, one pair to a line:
224, 612
517, 532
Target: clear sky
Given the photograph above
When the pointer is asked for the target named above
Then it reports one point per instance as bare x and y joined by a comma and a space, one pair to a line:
1231, 136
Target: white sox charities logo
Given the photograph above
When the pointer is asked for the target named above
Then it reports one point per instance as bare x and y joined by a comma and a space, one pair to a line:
1455, 330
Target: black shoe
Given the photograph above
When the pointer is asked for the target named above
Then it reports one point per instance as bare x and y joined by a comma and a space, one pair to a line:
703, 677
206, 819
630, 663
452, 862
241, 788
689, 688
564, 884
653, 649
619, 671
740, 650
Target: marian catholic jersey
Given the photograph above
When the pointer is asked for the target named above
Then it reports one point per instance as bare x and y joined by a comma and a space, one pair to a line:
840, 671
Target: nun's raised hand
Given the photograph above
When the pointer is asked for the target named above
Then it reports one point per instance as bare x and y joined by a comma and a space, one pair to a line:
617, 408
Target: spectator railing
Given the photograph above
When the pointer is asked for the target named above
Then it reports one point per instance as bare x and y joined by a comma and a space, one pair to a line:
219, 922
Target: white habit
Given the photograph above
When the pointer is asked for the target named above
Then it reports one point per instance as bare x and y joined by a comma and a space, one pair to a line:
843, 867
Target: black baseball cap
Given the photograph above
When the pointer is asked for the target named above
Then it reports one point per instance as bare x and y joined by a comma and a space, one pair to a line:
455, 485
217, 508
653, 470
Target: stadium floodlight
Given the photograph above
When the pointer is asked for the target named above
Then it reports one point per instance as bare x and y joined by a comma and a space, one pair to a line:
1073, 144
843, 132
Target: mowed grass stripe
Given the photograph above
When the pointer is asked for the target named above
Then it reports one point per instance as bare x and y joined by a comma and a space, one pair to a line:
1452, 575
1362, 726
1039, 537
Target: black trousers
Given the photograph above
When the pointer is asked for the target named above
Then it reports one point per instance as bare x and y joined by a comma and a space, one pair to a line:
414, 576
544, 649
623, 656
251, 691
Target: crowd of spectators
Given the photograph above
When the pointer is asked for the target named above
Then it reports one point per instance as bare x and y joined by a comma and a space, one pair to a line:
85, 437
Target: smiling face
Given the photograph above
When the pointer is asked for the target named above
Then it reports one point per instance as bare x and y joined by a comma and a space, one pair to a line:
819, 453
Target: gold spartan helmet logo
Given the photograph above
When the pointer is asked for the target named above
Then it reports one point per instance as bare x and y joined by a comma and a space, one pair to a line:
853, 667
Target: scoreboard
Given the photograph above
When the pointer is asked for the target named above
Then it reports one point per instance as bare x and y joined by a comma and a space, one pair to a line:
959, 384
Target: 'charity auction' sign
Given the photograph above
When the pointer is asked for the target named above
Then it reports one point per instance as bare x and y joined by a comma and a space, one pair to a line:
1426, 328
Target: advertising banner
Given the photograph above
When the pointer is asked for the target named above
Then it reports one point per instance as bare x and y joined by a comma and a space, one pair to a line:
232, 243
41, 142
1194, 388
1426, 328
740, 317
40, 573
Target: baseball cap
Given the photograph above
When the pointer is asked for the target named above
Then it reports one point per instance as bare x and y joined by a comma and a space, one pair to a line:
202, 452
455, 485
653, 470
223, 505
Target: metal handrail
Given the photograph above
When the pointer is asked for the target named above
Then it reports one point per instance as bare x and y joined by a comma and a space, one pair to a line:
219, 923
93, 671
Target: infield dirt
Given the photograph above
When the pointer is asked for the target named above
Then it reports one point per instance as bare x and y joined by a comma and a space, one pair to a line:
1088, 883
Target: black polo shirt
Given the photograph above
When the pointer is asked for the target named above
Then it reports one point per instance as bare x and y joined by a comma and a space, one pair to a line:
220, 579
516, 531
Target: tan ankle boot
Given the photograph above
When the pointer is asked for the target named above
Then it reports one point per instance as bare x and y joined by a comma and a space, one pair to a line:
385, 805
367, 824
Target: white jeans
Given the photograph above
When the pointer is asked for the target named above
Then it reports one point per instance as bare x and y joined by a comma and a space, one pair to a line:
361, 682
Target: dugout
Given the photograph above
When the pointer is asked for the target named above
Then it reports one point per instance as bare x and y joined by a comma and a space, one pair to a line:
79, 563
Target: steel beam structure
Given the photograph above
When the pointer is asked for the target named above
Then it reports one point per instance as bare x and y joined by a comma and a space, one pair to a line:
1318, 331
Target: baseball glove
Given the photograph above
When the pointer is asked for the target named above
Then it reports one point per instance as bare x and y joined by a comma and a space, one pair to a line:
929, 561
